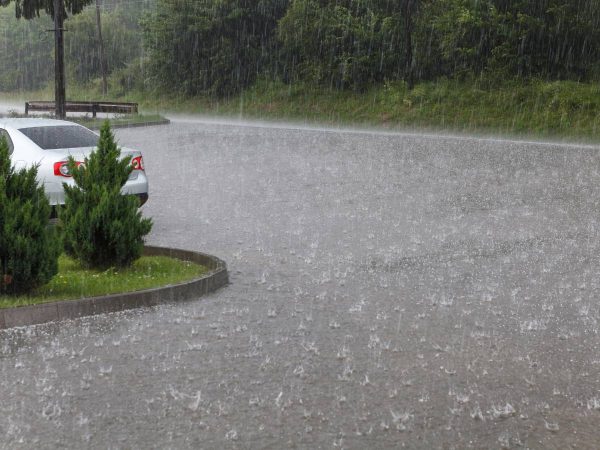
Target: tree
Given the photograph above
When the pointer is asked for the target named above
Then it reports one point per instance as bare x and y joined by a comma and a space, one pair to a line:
27, 53
122, 45
26, 59
58, 10
344, 43
555, 39
408, 10
29, 248
101, 227
30, 9
214, 46
102, 55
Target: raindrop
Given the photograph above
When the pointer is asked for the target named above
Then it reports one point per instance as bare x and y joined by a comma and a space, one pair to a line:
553, 427
503, 412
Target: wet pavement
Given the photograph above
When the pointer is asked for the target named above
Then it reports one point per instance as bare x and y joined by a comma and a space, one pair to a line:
7, 107
387, 290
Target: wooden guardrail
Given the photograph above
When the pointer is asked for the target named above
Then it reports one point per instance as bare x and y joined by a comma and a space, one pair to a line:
87, 107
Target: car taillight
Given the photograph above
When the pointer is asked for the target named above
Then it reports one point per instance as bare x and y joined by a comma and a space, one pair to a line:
61, 168
137, 163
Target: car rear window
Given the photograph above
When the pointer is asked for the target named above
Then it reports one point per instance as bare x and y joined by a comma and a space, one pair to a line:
68, 136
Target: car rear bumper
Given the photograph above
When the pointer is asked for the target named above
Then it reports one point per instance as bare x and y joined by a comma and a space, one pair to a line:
137, 186
54, 208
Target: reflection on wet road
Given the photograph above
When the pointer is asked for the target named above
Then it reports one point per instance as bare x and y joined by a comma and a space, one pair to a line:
386, 291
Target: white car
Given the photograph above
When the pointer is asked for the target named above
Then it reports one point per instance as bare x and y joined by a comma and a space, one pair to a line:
49, 143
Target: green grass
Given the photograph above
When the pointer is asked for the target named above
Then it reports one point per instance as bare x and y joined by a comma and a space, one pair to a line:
560, 109
72, 281
530, 108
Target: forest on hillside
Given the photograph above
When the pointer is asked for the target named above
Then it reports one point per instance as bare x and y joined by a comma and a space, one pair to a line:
219, 47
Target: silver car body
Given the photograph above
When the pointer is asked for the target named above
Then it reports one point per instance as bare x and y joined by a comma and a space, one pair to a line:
26, 153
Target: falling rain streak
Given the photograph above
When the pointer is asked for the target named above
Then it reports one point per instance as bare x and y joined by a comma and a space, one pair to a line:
388, 289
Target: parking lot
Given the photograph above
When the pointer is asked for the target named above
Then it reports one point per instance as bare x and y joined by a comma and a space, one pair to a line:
387, 290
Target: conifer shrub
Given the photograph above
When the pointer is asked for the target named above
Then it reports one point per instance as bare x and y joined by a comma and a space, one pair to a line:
29, 247
101, 227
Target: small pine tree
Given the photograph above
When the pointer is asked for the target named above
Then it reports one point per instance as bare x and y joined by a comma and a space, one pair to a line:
29, 247
101, 227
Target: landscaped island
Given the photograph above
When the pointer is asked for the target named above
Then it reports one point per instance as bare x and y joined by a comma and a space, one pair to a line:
94, 259
73, 281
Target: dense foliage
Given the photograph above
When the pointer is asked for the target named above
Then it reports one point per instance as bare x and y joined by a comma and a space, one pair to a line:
101, 227
339, 44
547, 38
122, 43
211, 46
25, 51
32, 8
29, 249
220, 47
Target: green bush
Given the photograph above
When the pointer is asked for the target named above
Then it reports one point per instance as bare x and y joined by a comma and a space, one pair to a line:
101, 227
29, 248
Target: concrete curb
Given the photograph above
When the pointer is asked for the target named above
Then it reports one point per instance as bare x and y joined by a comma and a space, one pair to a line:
71, 309
136, 124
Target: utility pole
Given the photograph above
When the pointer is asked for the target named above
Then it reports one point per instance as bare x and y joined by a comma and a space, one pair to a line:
103, 64
59, 60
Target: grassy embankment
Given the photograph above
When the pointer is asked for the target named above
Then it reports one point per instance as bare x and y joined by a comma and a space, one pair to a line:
558, 109
544, 109
72, 281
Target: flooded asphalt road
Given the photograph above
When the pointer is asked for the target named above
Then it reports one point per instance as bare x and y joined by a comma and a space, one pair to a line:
386, 291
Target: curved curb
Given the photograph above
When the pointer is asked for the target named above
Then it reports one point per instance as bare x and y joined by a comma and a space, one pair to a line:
150, 123
72, 309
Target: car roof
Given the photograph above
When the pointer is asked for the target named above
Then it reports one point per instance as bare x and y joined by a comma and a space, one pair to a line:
31, 122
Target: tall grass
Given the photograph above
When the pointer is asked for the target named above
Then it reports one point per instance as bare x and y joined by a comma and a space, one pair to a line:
558, 109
